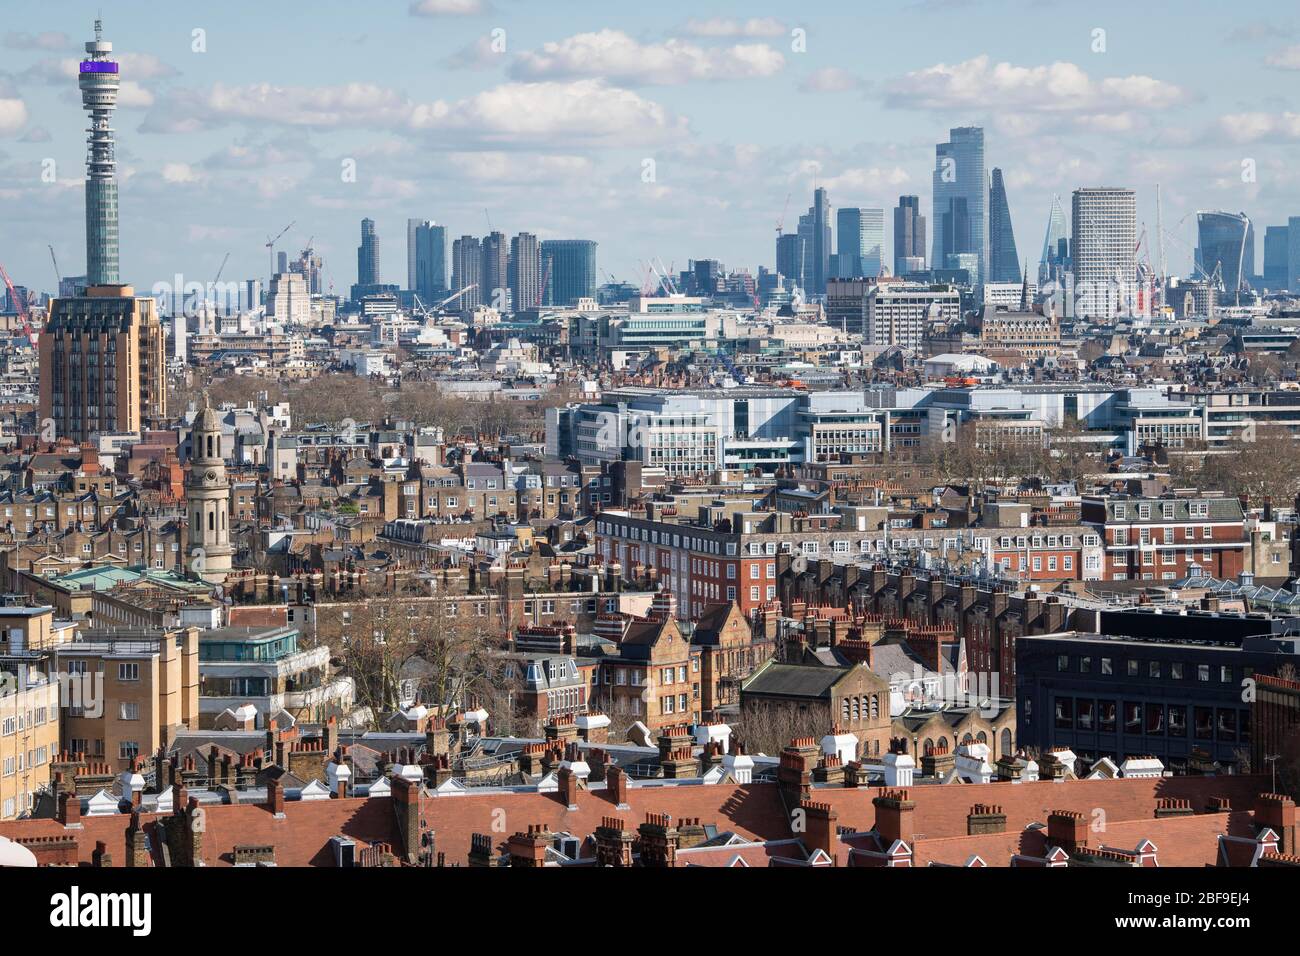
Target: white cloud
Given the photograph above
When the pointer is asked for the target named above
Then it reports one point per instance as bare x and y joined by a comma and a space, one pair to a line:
50, 40
478, 55
505, 168
730, 27
1285, 59
448, 8
617, 57
830, 79
179, 173
1257, 128
585, 111
13, 115
869, 182
134, 66
133, 94
980, 84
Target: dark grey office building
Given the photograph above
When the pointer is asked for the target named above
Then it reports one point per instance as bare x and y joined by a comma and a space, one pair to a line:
1276, 240
909, 236
571, 264
427, 259
1004, 263
1176, 687
368, 255
467, 270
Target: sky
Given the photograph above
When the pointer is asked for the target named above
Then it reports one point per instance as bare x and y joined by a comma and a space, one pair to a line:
667, 131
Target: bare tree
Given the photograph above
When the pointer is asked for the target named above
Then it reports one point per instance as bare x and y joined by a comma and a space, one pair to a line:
396, 647
768, 726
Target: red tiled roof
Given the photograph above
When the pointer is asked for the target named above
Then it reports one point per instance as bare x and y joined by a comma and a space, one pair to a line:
754, 812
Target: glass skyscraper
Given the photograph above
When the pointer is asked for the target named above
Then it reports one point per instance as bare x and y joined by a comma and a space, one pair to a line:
961, 202
1275, 257
426, 258
1004, 264
1054, 262
791, 258
368, 255
909, 236
572, 267
859, 242
1225, 246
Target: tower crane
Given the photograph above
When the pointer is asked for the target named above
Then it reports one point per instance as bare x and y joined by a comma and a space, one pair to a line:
780, 223
21, 305
57, 274
270, 245
219, 271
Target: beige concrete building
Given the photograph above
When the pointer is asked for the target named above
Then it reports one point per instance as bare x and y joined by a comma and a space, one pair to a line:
29, 735
146, 688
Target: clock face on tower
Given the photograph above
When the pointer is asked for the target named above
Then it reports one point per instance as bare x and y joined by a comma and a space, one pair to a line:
210, 475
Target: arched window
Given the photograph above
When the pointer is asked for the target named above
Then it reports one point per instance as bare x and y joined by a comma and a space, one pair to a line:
1005, 741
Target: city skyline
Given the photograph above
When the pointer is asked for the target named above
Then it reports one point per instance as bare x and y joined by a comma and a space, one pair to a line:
610, 137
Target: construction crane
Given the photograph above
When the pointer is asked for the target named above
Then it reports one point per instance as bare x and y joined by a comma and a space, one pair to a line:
780, 223
21, 305
57, 274
456, 295
270, 244
670, 286
219, 271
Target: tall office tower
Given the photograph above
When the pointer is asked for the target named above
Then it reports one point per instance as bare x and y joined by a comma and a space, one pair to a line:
873, 241
207, 496
466, 271
99, 81
961, 202
496, 269
846, 260
1275, 257
412, 225
368, 255
909, 236
282, 261
525, 271
791, 258
572, 267
815, 227
1103, 252
102, 354
805, 233
1004, 263
1293, 253
706, 274
252, 294
1225, 251
426, 259
1054, 262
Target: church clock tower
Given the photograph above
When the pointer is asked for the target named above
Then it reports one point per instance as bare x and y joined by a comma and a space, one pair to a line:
207, 495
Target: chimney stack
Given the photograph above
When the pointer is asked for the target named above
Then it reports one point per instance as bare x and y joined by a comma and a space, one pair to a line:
894, 820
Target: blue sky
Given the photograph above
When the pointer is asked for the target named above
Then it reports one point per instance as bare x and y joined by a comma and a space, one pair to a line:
221, 148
